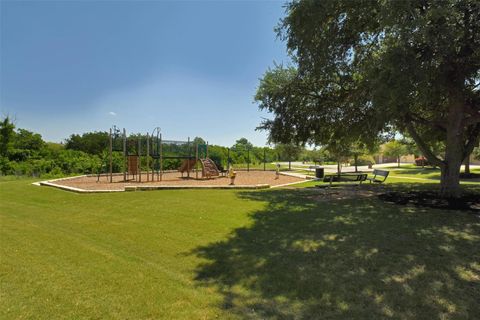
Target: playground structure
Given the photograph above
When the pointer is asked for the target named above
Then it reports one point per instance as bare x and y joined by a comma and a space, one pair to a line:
138, 150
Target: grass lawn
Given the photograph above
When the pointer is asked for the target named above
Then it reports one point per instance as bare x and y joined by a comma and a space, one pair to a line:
204, 254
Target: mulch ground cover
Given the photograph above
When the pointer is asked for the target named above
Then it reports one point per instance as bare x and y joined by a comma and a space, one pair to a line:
467, 202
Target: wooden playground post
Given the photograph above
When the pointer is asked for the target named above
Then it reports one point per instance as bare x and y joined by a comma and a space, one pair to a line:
248, 159
196, 161
139, 163
124, 155
110, 149
264, 158
148, 156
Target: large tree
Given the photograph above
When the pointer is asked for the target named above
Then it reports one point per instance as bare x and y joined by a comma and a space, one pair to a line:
7, 132
363, 67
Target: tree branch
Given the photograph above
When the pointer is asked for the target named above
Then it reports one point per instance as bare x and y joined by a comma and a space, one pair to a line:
473, 140
423, 146
437, 124
473, 119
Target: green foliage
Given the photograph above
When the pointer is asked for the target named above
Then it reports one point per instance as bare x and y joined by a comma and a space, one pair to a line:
288, 152
242, 143
90, 142
198, 140
476, 153
315, 155
27, 154
395, 149
365, 160
6, 134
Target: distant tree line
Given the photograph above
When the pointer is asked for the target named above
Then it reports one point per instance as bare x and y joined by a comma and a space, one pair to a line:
23, 152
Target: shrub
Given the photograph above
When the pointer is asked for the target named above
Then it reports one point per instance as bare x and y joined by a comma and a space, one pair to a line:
421, 161
365, 160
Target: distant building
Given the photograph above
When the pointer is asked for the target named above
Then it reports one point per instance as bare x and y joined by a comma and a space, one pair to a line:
381, 158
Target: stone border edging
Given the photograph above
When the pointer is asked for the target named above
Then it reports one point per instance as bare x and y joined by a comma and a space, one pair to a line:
73, 189
297, 175
49, 183
292, 183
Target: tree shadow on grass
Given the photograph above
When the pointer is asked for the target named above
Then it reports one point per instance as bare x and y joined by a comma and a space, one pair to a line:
355, 259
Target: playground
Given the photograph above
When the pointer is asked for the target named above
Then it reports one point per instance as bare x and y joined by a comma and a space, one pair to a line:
149, 162
174, 179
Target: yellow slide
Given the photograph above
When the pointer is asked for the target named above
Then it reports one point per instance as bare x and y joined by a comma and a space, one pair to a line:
209, 168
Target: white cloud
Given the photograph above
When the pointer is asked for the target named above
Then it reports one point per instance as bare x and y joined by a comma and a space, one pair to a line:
112, 113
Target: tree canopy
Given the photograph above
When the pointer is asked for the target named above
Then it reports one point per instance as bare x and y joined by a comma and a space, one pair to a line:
363, 68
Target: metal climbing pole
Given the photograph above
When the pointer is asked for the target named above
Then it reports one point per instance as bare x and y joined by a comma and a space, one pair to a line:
264, 158
110, 152
148, 158
124, 166
161, 159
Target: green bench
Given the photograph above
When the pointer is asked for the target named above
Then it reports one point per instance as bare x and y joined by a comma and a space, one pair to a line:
381, 174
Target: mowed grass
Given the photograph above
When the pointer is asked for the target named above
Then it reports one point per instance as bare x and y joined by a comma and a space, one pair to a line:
206, 254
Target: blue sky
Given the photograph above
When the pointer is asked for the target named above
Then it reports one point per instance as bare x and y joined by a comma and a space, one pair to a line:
191, 68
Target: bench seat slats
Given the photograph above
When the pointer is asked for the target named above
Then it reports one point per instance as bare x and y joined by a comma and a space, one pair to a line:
379, 176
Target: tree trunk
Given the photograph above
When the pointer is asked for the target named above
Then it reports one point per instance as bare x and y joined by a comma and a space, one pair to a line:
339, 167
467, 165
457, 148
454, 149
289, 165
450, 180
355, 158
398, 162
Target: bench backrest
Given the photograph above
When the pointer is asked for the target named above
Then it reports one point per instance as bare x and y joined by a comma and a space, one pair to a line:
383, 173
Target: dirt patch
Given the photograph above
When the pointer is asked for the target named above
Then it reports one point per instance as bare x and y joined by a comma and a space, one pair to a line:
243, 178
468, 202
345, 192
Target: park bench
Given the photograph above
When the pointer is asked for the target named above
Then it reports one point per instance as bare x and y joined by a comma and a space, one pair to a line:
382, 174
357, 178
